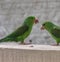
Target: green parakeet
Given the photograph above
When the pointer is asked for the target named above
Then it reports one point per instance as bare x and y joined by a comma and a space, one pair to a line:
53, 30
22, 32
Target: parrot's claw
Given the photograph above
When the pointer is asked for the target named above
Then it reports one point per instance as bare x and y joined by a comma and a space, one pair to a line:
23, 43
55, 45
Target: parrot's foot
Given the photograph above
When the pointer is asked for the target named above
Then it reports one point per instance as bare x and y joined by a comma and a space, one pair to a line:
22, 43
56, 44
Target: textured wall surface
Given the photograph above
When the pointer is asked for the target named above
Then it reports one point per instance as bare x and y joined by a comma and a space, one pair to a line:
24, 53
13, 13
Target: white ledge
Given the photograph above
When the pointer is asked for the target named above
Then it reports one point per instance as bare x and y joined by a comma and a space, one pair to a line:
26, 53
35, 47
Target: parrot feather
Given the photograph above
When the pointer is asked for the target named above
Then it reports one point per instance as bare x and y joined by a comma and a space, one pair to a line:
22, 32
53, 29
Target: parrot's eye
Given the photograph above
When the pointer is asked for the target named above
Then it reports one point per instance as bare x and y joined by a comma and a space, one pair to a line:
43, 24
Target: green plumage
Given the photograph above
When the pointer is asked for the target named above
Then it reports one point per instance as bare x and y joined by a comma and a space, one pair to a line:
56, 32
22, 32
53, 30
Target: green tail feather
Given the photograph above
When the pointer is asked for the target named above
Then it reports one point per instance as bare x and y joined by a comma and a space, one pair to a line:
4, 40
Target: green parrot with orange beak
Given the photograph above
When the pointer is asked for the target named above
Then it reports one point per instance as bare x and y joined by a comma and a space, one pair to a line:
20, 34
53, 29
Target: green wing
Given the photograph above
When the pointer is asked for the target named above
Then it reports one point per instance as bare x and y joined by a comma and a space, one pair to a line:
12, 37
20, 31
56, 32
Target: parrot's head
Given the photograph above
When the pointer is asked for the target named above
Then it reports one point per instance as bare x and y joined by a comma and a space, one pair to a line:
31, 20
47, 25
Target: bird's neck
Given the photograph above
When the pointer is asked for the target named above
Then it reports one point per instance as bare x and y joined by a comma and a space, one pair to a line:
30, 25
50, 29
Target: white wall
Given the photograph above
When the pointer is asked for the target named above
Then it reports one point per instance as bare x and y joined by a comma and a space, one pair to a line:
13, 13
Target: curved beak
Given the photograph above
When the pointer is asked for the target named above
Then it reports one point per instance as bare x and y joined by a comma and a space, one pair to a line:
36, 21
42, 28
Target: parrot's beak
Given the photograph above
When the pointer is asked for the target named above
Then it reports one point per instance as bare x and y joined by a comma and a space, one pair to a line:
42, 28
36, 21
